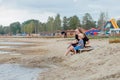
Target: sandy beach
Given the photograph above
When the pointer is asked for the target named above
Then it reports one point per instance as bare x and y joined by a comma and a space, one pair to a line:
102, 63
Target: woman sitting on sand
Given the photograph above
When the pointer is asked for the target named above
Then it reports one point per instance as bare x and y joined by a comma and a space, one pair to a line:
80, 45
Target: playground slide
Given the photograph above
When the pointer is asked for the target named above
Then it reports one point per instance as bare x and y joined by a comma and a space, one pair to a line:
114, 23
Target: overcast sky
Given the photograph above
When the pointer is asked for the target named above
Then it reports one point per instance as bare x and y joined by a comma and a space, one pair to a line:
21, 10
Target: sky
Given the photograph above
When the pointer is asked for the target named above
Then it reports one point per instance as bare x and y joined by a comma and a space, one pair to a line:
22, 10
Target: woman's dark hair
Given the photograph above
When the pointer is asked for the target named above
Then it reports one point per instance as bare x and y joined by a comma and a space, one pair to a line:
80, 30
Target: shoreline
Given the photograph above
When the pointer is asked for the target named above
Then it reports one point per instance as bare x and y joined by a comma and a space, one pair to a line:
98, 64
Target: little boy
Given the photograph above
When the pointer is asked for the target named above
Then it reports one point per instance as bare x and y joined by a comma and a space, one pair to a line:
80, 44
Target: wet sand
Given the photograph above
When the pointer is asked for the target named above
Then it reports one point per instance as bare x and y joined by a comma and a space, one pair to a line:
102, 63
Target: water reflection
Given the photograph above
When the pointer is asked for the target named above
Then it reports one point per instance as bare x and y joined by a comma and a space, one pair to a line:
17, 72
17, 43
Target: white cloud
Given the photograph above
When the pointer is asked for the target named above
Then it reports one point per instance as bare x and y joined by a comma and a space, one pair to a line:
8, 16
75, 1
21, 10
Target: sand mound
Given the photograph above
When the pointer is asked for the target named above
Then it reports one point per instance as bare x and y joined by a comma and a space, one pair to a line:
99, 64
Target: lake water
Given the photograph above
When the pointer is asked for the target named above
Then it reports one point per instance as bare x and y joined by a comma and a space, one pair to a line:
17, 72
4, 52
12, 43
10, 53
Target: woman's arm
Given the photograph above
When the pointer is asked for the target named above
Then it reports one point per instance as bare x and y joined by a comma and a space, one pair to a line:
73, 42
87, 43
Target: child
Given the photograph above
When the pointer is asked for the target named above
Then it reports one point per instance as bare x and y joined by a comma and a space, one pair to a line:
80, 45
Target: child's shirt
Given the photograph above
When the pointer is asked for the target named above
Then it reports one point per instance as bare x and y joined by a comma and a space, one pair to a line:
81, 43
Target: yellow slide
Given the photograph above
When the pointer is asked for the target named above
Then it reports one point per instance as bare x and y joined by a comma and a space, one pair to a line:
114, 23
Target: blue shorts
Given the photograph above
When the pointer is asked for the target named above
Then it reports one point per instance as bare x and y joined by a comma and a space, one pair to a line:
78, 47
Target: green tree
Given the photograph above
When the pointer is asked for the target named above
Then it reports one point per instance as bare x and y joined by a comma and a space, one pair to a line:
6, 30
44, 27
36, 26
27, 27
15, 28
74, 22
50, 24
57, 23
65, 23
41, 28
1, 29
30, 26
88, 22
102, 20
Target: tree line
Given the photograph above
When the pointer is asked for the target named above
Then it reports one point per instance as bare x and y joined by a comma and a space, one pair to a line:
54, 24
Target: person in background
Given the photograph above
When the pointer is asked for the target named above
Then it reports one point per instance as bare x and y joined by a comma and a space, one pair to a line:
64, 33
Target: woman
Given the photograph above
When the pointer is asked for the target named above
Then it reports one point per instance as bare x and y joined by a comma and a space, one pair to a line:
85, 39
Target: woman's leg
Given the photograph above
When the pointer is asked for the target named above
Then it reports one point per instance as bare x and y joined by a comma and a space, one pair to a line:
74, 51
68, 50
72, 45
69, 46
